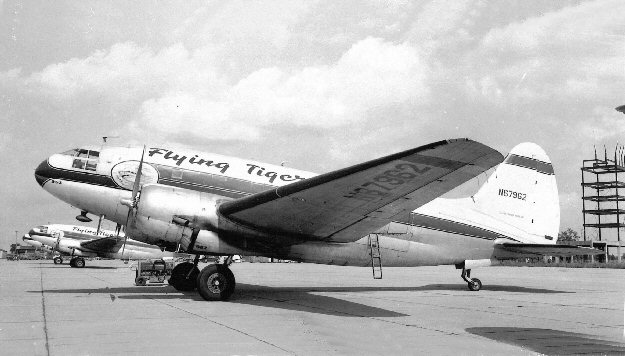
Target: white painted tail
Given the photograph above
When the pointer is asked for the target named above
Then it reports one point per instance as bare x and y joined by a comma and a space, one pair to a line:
522, 194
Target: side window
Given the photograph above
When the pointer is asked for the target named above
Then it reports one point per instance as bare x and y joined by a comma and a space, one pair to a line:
78, 163
92, 161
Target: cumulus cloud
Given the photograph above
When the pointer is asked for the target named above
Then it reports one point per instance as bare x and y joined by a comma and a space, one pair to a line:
572, 53
128, 70
371, 74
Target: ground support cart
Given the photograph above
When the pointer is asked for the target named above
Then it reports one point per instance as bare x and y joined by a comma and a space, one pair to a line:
153, 271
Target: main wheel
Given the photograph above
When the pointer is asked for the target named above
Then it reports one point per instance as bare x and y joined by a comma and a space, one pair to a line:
58, 260
475, 284
72, 262
79, 262
179, 278
216, 282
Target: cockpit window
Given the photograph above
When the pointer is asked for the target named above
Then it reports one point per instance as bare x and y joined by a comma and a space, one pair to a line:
84, 159
73, 152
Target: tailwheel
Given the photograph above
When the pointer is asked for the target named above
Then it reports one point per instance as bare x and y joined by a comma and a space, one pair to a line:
216, 282
184, 276
475, 284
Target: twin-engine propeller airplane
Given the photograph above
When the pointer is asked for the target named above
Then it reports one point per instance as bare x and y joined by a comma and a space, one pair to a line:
82, 241
387, 209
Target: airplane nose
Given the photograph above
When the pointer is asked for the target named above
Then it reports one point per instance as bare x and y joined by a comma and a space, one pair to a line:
42, 172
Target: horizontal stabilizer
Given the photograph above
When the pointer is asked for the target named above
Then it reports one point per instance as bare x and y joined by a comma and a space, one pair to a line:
103, 244
513, 250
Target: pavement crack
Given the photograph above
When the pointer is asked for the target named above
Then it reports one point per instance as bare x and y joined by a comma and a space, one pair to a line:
225, 326
43, 307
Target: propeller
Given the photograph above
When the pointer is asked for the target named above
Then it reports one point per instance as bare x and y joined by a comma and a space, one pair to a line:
132, 204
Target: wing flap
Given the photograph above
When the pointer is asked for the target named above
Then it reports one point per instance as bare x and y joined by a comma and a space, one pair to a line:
347, 204
512, 250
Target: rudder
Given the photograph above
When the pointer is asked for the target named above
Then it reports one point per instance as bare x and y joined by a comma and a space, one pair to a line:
522, 192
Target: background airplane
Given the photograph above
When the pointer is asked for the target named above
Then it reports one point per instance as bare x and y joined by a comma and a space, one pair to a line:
78, 242
388, 209
30, 241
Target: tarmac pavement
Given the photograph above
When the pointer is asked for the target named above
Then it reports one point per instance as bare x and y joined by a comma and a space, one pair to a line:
305, 309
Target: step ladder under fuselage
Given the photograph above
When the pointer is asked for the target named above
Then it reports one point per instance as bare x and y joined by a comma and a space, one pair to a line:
376, 257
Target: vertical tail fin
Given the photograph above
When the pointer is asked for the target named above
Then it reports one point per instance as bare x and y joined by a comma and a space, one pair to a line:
522, 193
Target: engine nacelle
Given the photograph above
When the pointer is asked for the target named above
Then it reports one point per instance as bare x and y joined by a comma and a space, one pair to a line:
70, 247
166, 215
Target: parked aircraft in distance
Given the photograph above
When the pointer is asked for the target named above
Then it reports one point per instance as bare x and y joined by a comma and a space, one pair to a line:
78, 242
385, 210
29, 240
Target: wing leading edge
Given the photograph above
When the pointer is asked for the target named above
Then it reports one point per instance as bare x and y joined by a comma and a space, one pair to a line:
347, 204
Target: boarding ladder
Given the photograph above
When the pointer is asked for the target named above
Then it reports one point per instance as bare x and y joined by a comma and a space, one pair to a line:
376, 257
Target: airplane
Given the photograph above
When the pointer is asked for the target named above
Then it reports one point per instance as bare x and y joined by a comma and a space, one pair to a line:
83, 241
388, 209
30, 241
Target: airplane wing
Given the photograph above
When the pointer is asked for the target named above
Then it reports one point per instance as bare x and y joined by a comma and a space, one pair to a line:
100, 245
347, 204
513, 250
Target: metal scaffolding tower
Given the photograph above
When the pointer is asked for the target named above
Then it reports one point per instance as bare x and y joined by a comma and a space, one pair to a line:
603, 197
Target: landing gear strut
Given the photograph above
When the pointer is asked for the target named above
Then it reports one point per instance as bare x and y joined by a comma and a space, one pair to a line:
216, 281
474, 284
184, 275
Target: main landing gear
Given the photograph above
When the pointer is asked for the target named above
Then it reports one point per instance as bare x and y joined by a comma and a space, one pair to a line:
77, 262
214, 282
474, 284
184, 275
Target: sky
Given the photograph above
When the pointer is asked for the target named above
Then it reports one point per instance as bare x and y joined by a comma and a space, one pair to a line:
318, 84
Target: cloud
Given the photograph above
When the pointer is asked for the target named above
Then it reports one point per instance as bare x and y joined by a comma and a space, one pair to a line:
5, 140
371, 74
127, 70
604, 123
573, 53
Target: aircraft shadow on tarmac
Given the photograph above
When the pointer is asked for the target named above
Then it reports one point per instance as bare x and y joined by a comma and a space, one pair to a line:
290, 298
430, 287
86, 267
549, 341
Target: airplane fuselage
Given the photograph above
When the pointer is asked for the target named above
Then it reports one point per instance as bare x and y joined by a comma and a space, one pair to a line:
445, 231
67, 239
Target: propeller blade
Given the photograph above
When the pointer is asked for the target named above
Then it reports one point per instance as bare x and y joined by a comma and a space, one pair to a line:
137, 184
135, 191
